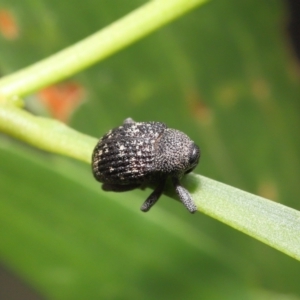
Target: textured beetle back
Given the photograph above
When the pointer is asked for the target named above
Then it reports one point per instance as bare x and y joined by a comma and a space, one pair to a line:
126, 154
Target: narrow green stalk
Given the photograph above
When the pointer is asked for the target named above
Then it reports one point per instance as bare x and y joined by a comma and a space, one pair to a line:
272, 223
47, 134
98, 46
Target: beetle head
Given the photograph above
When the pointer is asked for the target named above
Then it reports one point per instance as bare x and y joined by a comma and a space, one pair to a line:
177, 154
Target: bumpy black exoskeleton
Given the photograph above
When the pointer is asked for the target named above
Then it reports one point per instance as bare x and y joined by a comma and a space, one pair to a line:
138, 154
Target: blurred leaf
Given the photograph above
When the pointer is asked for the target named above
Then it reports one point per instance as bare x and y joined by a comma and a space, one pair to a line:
224, 76
72, 241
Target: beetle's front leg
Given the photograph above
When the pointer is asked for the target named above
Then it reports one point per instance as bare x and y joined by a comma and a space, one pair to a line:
184, 196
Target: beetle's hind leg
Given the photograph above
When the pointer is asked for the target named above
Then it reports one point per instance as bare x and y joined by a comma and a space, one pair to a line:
184, 196
119, 187
154, 196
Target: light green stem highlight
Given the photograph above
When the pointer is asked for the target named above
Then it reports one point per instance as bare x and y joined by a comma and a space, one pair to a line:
47, 134
272, 223
98, 46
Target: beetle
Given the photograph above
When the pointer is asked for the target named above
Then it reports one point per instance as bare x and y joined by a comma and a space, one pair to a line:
139, 154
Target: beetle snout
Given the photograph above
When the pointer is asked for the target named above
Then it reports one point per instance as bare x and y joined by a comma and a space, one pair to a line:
194, 156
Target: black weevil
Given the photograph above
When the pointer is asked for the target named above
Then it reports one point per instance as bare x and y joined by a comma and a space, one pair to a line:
137, 154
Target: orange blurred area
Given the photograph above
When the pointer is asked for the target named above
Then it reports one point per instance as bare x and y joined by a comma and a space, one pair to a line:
8, 25
62, 99
198, 109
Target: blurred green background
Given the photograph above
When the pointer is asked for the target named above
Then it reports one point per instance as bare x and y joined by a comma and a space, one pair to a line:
226, 75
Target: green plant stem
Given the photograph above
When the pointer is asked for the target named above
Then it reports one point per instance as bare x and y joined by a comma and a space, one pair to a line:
47, 134
98, 46
272, 223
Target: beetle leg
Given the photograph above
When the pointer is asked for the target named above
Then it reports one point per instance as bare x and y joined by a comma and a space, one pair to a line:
128, 121
154, 196
119, 187
184, 196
